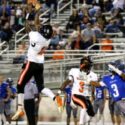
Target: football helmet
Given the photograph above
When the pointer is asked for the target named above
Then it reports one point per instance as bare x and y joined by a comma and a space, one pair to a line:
118, 64
46, 31
86, 63
9, 81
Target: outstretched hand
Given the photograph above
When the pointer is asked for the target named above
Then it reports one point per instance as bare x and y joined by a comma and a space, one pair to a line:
114, 69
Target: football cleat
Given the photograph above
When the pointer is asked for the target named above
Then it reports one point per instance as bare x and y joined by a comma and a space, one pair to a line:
59, 103
19, 113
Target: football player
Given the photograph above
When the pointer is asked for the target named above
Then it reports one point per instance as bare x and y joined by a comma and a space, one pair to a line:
7, 110
5, 94
99, 101
33, 66
31, 101
115, 82
69, 109
80, 77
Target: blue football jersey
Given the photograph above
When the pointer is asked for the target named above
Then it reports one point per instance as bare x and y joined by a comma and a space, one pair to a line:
99, 93
13, 90
115, 85
68, 92
3, 90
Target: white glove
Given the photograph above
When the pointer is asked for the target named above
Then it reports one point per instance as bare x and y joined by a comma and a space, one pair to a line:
116, 70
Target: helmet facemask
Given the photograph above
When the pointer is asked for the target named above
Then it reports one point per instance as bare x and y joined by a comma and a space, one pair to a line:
85, 64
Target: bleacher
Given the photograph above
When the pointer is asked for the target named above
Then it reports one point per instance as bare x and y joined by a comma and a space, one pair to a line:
56, 71
63, 12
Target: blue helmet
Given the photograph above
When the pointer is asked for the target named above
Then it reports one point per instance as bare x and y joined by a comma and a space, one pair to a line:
118, 64
9, 81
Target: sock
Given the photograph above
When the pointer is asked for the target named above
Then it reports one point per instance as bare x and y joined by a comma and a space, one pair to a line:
48, 92
20, 100
87, 118
3, 119
82, 116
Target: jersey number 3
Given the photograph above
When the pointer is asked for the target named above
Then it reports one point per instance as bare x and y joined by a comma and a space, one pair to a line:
115, 90
81, 89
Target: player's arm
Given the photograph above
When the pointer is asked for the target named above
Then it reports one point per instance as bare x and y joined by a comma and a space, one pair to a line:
36, 23
64, 84
93, 94
64, 102
95, 83
116, 70
105, 95
8, 94
68, 81
13, 95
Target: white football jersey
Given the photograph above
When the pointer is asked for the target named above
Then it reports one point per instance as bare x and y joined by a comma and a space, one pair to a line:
81, 85
37, 43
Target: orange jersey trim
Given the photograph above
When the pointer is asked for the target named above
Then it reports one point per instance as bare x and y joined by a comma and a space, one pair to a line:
23, 73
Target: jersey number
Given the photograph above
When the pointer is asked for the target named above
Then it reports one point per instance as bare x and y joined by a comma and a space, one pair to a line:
99, 94
33, 44
115, 90
81, 89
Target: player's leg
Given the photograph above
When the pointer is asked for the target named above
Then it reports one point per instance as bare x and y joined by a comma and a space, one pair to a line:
101, 109
68, 112
95, 107
3, 118
120, 111
75, 115
80, 101
0, 118
7, 111
29, 106
117, 113
111, 110
24, 77
39, 78
121, 105
89, 107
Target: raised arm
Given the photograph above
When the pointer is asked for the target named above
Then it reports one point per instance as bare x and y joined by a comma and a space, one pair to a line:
116, 70
8, 94
64, 84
